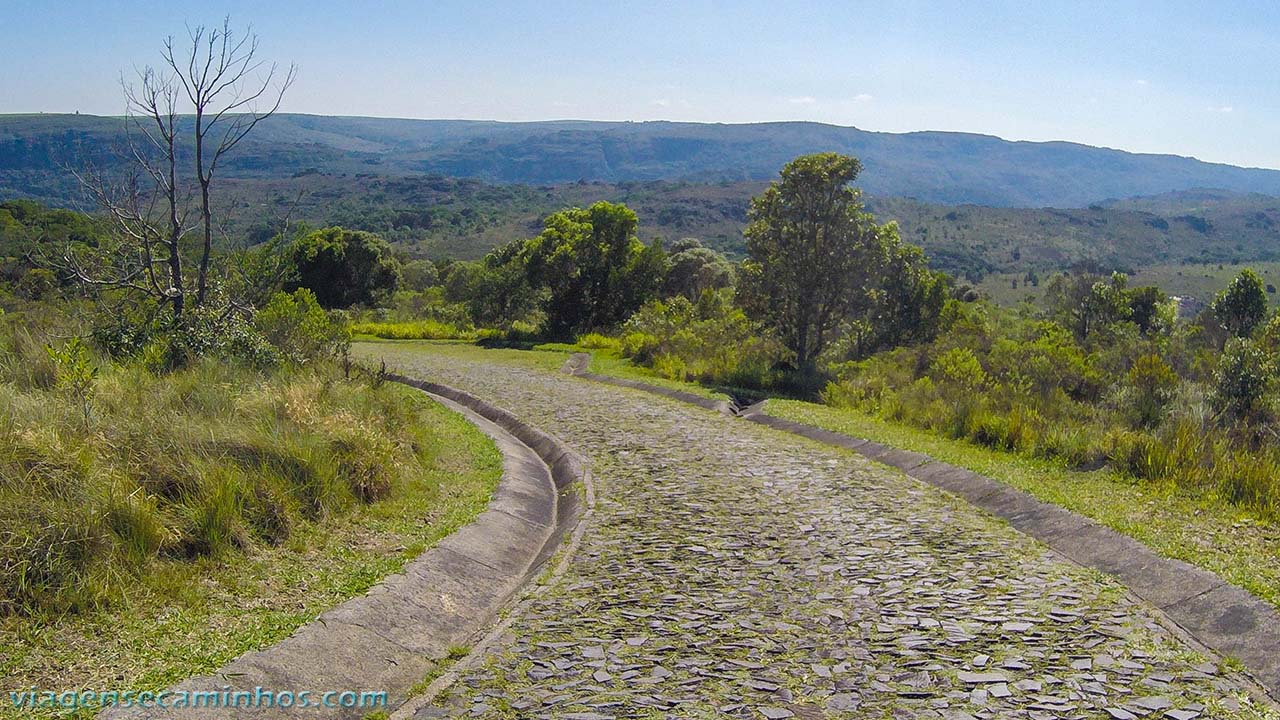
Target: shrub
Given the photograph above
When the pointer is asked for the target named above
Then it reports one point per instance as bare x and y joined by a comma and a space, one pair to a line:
75, 373
1154, 384
1135, 453
299, 329
713, 341
162, 345
1243, 383
960, 367
596, 341
1046, 359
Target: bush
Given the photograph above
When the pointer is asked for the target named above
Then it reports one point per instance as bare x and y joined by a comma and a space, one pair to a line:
1154, 385
596, 341
1243, 384
204, 334
712, 341
299, 329
146, 334
961, 368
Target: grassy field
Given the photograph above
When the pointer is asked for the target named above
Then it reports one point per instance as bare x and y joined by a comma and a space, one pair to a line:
1200, 281
177, 615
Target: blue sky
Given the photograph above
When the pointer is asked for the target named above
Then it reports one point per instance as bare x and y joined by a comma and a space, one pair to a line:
1188, 78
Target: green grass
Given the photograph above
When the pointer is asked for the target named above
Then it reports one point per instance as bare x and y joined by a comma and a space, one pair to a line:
412, 330
145, 622
1203, 531
607, 362
545, 357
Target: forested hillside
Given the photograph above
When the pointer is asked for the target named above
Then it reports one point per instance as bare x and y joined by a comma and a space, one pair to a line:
441, 217
930, 166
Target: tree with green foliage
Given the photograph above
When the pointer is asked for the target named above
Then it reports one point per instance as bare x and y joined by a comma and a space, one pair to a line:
1242, 305
418, 275
345, 267
696, 269
1150, 309
1086, 303
816, 256
908, 303
1154, 386
595, 271
1244, 383
496, 291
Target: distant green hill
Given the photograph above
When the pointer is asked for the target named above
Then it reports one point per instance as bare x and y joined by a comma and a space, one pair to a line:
400, 178
936, 167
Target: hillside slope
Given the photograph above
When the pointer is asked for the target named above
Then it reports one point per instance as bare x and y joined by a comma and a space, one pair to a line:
938, 167
459, 218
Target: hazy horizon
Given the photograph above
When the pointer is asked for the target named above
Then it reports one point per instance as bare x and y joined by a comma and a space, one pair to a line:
1143, 77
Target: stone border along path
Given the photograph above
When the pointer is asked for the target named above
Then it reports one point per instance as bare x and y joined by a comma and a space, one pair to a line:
1223, 617
403, 627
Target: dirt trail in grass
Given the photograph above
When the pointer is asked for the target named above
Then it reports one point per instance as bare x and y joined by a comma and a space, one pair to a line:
735, 571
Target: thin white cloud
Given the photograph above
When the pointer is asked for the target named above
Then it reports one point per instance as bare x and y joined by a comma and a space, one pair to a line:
1141, 83
661, 102
863, 97
802, 100
1223, 109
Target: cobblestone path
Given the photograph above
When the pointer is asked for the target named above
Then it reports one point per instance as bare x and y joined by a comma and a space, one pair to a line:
733, 571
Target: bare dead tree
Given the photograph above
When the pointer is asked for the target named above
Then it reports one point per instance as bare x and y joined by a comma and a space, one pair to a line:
230, 91
146, 205
216, 80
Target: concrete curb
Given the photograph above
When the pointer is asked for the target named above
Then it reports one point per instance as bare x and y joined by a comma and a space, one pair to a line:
1225, 618
394, 635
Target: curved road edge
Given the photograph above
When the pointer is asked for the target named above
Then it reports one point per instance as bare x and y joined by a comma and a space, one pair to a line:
397, 633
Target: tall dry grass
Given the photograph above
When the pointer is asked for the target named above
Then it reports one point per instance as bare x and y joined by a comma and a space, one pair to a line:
210, 459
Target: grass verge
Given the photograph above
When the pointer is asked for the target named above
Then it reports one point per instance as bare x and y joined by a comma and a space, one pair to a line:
1203, 531
154, 447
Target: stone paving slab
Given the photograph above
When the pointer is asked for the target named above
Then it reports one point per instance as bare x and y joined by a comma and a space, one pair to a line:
732, 571
1224, 617
394, 635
